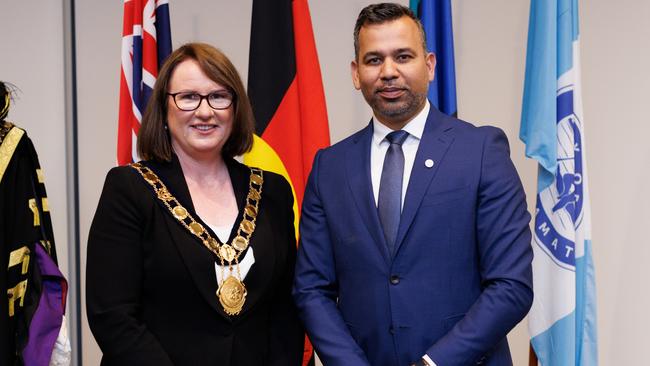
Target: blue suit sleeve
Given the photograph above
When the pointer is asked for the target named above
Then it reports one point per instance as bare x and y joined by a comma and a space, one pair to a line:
315, 283
504, 248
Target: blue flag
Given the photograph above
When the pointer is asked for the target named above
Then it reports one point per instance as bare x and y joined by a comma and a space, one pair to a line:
562, 321
435, 16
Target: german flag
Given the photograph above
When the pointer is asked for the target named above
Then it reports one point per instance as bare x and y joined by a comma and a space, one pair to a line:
286, 92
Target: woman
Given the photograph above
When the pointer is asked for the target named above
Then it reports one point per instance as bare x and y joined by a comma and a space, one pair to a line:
191, 253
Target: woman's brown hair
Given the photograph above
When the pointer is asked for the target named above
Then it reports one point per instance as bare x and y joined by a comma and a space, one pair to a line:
154, 141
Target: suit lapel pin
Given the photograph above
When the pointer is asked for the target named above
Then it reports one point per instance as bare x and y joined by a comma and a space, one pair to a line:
428, 163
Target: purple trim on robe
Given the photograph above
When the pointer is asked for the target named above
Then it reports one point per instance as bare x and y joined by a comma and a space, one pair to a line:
46, 322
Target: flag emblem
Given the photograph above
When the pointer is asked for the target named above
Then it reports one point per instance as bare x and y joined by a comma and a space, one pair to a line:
559, 208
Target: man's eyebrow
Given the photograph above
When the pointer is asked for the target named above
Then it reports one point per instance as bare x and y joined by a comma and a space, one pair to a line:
372, 54
393, 52
405, 49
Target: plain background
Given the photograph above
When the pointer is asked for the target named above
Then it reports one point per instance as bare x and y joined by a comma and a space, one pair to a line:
490, 41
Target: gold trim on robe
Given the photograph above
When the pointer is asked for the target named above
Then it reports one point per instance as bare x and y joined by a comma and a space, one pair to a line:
9, 144
18, 256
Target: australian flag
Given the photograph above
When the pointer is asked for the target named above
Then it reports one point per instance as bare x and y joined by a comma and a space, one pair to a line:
146, 43
562, 321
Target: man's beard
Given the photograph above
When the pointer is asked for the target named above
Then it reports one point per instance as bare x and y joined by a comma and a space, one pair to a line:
405, 106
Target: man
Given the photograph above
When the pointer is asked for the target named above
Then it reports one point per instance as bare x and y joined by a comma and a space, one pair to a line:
443, 282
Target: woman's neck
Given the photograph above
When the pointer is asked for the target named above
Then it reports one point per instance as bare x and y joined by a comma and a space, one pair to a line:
210, 189
208, 169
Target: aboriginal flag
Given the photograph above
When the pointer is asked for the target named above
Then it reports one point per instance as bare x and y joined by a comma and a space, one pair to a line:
286, 92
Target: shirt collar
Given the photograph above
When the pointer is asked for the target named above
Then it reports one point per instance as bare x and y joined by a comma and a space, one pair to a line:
414, 127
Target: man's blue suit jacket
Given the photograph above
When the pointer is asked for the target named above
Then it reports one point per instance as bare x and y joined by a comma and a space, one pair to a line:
460, 278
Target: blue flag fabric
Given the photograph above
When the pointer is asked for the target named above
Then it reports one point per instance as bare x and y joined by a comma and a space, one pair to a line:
435, 16
562, 321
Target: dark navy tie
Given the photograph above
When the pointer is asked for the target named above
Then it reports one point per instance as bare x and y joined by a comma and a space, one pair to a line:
389, 203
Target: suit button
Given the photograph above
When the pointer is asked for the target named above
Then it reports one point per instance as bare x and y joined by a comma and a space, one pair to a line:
394, 279
391, 330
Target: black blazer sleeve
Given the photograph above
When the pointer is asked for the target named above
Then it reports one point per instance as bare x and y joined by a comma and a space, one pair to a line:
114, 274
286, 346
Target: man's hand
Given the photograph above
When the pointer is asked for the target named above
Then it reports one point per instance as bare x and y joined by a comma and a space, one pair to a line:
420, 362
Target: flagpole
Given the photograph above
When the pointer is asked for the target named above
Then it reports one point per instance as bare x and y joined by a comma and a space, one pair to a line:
532, 356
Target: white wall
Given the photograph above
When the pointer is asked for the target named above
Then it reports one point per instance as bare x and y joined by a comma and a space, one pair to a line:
490, 38
616, 91
98, 32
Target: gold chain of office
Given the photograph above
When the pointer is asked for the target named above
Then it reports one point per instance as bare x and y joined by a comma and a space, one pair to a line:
231, 291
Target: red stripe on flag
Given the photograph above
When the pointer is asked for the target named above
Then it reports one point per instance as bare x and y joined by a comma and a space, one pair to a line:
284, 134
125, 124
137, 9
127, 24
149, 54
315, 133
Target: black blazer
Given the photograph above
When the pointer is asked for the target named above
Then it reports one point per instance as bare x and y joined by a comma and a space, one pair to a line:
151, 285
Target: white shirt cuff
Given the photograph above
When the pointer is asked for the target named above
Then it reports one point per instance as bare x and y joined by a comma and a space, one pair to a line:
429, 360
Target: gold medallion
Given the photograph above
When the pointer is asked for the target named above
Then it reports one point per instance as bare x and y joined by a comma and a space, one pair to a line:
197, 229
254, 195
164, 194
232, 295
247, 226
211, 243
227, 253
151, 177
257, 179
179, 212
250, 210
240, 243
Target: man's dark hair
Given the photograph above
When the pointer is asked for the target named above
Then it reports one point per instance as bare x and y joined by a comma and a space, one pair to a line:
382, 13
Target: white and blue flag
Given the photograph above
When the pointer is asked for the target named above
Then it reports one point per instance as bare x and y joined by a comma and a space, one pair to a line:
562, 321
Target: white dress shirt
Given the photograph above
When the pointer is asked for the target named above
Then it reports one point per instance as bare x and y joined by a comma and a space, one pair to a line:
379, 147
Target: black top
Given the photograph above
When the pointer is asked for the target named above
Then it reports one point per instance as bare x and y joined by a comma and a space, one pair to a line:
151, 285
